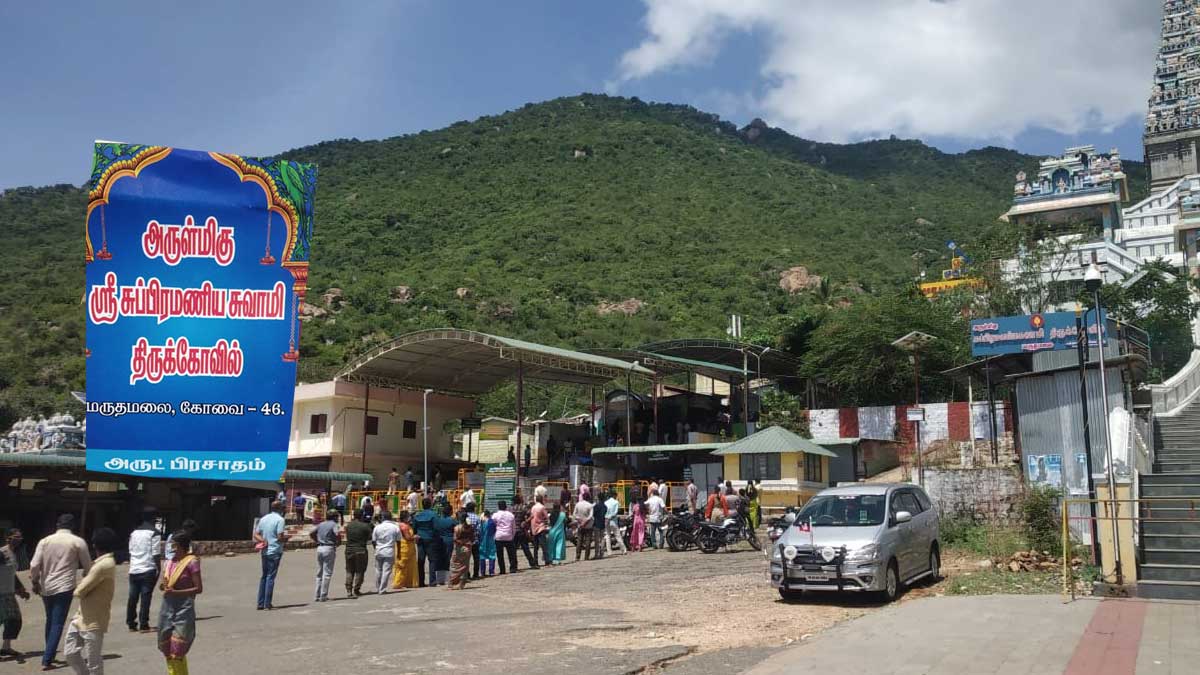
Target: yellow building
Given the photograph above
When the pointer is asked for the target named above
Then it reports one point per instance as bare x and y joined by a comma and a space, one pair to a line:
788, 469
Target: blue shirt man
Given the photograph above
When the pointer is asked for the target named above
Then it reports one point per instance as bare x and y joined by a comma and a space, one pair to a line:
423, 525
269, 533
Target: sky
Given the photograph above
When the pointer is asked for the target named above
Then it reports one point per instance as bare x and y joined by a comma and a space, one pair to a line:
263, 77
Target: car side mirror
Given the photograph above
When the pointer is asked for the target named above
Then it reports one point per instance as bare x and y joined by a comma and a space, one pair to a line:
903, 517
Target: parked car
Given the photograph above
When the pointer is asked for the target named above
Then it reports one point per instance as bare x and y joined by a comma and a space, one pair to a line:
861, 538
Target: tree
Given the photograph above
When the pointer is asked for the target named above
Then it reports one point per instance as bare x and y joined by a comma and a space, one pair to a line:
852, 353
1160, 302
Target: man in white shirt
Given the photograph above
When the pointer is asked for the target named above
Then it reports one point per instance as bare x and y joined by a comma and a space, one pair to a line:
612, 530
693, 495
384, 538
54, 572
539, 491
584, 528
145, 554
468, 497
655, 510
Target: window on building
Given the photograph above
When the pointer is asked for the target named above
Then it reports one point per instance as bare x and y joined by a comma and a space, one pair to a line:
759, 467
410, 429
317, 423
812, 469
372, 425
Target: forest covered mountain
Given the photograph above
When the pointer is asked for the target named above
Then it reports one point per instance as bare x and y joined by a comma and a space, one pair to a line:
586, 221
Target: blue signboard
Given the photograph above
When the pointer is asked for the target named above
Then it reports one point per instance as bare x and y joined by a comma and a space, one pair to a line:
1029, 333
196, 265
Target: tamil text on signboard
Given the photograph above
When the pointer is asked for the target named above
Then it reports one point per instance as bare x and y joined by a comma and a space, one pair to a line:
1029, 333
196, 265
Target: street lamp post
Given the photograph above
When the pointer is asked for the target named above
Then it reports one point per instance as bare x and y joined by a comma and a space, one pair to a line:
629, 403
425, 432
1092, 280
913, 343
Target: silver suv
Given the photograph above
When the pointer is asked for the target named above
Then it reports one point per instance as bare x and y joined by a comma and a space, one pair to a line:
865, 537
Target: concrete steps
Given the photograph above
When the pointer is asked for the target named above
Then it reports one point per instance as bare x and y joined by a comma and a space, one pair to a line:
1169, 566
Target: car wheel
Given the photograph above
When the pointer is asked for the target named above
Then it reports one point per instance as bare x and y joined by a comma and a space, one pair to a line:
891, 583
935, 565
791, 595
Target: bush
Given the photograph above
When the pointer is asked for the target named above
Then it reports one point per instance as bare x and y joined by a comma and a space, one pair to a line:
1041, 519
995, 542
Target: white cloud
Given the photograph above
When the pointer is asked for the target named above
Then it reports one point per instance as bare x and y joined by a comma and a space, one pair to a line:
973, 69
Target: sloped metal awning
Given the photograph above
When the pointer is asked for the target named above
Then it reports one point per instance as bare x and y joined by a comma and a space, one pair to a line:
644, 449
472, 363
668, 365
775, 364
774, 440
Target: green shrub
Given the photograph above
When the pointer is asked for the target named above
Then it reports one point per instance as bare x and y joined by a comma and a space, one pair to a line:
1041, 519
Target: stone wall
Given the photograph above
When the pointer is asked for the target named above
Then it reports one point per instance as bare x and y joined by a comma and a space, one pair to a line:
986, 494
203, 548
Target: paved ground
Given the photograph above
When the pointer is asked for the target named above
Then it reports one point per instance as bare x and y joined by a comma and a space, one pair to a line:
619, 615
1009, 634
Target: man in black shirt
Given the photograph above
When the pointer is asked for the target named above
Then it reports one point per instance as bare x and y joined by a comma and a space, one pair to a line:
358, 535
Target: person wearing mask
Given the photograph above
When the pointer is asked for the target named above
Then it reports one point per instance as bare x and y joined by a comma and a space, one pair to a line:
181, 583
584, 528
539, 526
505, 525
426, 543
11, 588
655, 513
84, 643
384, 538
524, 532
269, 539
612, 528
145, 555
328, 536
54, 576
693, 495
188, 526
358, 535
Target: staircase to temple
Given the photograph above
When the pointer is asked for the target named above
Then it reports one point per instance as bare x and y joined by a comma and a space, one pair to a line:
1170, 551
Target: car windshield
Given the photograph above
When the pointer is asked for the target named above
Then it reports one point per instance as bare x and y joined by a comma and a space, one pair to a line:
843, 510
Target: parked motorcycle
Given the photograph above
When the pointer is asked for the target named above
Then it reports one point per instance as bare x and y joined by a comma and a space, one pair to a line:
682, 526
778, 526
711, 538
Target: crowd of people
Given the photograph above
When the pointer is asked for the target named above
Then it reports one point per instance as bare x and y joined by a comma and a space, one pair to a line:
54, 573
429, 543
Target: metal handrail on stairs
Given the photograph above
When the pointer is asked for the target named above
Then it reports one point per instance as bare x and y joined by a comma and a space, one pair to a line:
1171, 397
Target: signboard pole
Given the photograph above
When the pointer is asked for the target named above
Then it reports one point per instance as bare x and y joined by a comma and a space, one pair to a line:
1087, 435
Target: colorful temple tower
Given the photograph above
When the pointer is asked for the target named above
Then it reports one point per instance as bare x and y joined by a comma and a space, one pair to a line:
1173, 120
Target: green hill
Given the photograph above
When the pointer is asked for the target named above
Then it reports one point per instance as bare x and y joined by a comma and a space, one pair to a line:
539, 216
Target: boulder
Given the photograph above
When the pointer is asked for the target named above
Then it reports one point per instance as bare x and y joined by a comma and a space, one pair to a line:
627, 307
462, 292
401, 295
798, 280
333, 296
309, 312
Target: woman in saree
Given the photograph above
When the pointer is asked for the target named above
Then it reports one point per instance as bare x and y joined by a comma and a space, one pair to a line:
637, 536
557, 539
404, 574
755, 507
181, 583
487, 545
460, 560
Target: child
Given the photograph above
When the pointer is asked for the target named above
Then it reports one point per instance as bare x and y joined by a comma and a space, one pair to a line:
487, 543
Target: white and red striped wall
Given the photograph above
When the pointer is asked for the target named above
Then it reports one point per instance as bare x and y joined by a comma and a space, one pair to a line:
943, 421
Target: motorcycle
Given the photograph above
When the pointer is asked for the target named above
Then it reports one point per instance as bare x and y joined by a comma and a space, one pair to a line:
682, 526
778, 526
711, 538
